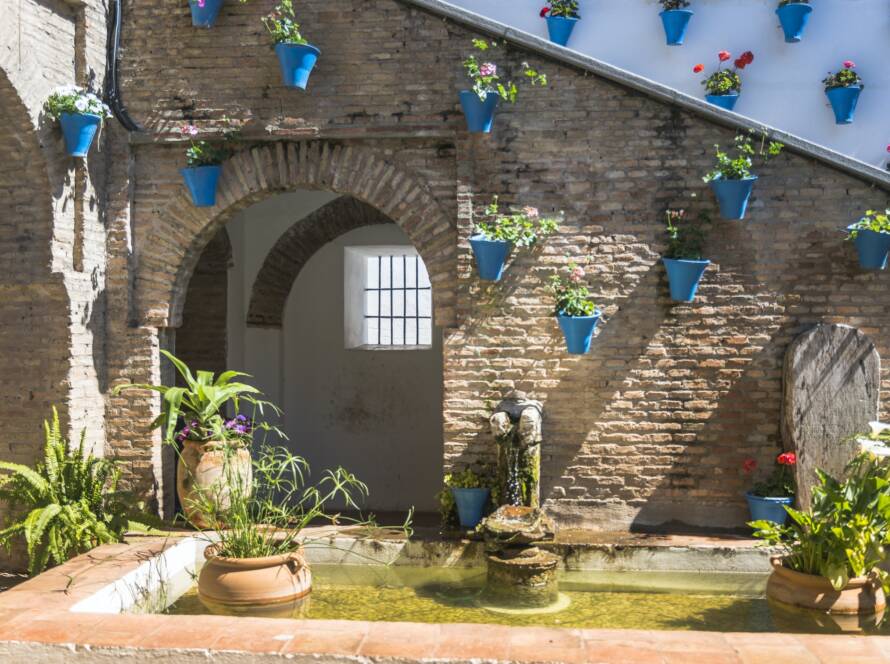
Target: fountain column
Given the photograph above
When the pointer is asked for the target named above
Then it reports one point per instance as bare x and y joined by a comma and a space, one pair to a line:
516, 426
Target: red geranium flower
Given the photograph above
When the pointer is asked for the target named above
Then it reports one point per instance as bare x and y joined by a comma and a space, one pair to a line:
698, 69
724, 56
749, 465
787, 459
740, 63
748, 57
888, 148
545, 11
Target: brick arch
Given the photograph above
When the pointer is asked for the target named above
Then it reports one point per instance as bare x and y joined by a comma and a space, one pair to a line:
171, 250
294, 249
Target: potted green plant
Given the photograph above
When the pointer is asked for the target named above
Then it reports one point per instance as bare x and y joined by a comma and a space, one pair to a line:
843, 89
575, 309
80, 113
255, 553
561, 15
203, 167
832, 555
215, 448
683, 257
723, 86
871, 235
500, 233
732, 180
767, 498
465, 498
675, 19
794, 16
488, 90
296, 56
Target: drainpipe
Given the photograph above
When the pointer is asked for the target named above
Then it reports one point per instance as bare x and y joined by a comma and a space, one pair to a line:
112, 91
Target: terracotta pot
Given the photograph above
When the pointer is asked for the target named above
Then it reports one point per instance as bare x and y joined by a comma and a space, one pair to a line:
253, 581
202, 472
861, 595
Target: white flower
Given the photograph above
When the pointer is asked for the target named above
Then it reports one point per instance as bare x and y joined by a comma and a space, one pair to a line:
81, 104
874, 447
878, 427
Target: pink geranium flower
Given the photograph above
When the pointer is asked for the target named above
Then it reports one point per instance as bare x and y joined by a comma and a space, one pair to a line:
488, 69
849, 64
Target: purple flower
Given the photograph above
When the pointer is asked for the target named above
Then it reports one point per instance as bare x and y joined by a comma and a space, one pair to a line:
242, 429
488, 69
241, 418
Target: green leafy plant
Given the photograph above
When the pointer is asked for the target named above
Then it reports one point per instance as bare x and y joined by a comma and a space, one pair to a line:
845, 533
75, 100
282, 24
70, 500
572, 296
668, 5
739, 165
464, 479
780, 483
207, 153
843, 78
522, 228
725, 81
879, 222
486, 79
201, 405
564, 8
685, 241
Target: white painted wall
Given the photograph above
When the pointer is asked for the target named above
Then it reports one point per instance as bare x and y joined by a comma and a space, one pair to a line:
782, 88
376, 413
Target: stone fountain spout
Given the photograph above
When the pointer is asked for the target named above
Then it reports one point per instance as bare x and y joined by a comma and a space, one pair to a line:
516, 426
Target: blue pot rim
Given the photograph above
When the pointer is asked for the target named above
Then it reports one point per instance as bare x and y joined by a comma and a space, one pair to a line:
487, 94
198, 168
795, 4
677, 11
862, 230
720, 178
784, 500
688, 261
307, 46
563, 18
479, 237
843, 87
596, 315
727, 94
81, 115
476, 489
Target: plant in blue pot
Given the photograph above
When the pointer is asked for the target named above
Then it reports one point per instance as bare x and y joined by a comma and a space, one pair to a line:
80, 113
296, 56
843, 89
731, 179
489, 89
683, 257
723, 87
575, 310
767, 499
794, 16
500, 233
561, 15
203, 166
675, 19
871, 235
204, 12
466, 498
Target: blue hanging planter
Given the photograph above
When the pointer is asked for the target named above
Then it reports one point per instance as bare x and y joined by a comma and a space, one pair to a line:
684, 277
733, 196
768, 509
675, 22
578, 331
297, 61
491, 255
470, 504
79, 130
872, 248
479, 113
205, 17
201, 182
560, 29
794, 18
843, 103
724, 101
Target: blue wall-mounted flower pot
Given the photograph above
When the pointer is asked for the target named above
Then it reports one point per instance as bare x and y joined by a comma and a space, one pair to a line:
205, 17
872, 248
675, 22
491, 255
684, 277
794, 18
724, 101
578, 331
202, 181
79, 130
843, 103
471, 505
733, 196
297, 61
479, 113
560, 29
768, 509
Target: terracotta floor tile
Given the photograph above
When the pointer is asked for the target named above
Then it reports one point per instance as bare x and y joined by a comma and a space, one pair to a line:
257, 635
401, 640
197, 632
459, 641
842, 649
772, 654
597, 652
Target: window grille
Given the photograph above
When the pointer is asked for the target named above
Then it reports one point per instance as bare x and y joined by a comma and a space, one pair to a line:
398, 301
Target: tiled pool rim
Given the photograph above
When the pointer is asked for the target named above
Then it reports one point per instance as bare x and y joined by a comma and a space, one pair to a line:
37, 625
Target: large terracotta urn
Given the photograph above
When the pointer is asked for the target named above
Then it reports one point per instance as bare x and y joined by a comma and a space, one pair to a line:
206, 471
862, 595
253, 582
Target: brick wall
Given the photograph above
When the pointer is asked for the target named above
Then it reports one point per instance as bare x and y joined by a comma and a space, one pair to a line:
652, 425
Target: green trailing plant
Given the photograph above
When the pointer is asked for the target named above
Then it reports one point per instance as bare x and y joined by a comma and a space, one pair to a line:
872, 220
738, 166
780, 483
845, 533
207, 153
725, 81
572, 296
282, 24
464, 479
685, 240
844, 78
69, 500
668, 5
522, 228
486, 79
75, 100
563, 8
